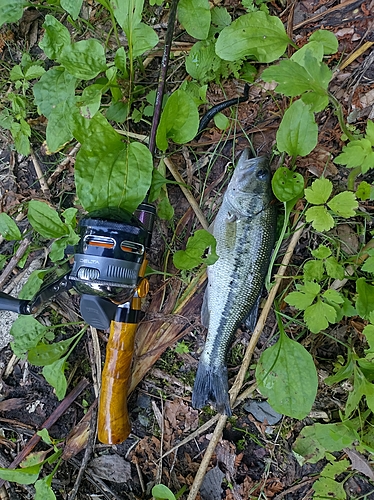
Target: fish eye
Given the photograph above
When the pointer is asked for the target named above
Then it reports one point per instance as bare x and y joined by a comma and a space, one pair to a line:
262, 174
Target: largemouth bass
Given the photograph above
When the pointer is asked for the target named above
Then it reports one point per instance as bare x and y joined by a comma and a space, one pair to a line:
245, 231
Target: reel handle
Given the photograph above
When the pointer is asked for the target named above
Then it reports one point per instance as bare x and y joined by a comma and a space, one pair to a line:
113, 418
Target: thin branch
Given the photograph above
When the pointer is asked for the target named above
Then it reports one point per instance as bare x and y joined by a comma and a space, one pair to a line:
162, 78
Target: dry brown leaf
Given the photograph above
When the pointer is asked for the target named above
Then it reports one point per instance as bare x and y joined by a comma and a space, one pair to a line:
360, 463
11, 404
111, 468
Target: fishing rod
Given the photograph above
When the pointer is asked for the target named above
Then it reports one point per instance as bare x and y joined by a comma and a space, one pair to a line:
108, 272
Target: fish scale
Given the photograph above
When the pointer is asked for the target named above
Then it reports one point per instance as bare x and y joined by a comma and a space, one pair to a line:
244, 229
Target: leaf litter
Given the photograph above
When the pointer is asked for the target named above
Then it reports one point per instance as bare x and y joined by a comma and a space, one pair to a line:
159, 331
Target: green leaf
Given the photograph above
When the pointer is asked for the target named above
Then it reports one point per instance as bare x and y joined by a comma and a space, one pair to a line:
334, 269
73, 7
292, 78
54, 87
286, 374
179, 120
56, 37
195, 248
28, 475
16, 73
314, 440
54, 375
91, 100
320, 218
327, 39
314, 49
305, 295
220, 19
195, 17
322, 252
44, 434
313, 270
8, 228
128, 14
143, 38
11, 10
120, 61
164, 208
45, 220
162, 492
33, 284
26, 332
33, 72
60, 124
355, 396
333, 296
326, 487
202, 62
118, 111
357, 153
318, 316
368, 267
43, 489
344, 204
70, 217
46, 354
21, 132
343, 373
298, 131
287, 185
365, 298
370, 131
255, 34
221, 121
319, 192
363, 191
124, 170
84, 59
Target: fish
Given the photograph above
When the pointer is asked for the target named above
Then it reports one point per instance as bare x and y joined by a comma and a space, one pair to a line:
244, 229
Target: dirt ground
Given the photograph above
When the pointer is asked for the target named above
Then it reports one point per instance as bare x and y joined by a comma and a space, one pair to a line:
254, 458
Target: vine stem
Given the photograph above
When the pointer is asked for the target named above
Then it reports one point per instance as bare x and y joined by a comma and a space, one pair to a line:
162, 77
235, 389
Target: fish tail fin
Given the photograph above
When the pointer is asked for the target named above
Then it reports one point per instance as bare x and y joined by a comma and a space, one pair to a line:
211, 387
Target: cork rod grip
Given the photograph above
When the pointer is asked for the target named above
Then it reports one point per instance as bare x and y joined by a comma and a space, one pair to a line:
113, 418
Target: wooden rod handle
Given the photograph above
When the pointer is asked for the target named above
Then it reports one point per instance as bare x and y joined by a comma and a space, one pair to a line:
113, 419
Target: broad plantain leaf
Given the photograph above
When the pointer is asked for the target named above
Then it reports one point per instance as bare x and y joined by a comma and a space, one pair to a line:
56, 37
54, 87
45, 220
195, 17
298, 131
84, 59
54, 375
11, 10
255, 34
28, 475
26, 332
179, 120
286, 374
8, 228
143, 38
117, 173
73, 7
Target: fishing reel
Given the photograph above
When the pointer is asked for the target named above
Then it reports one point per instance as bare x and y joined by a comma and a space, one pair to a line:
108, 268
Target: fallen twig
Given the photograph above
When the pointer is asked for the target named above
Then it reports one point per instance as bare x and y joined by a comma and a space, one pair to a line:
61, 167
245, 364
14, 261
195, 207
60, 410
40, 175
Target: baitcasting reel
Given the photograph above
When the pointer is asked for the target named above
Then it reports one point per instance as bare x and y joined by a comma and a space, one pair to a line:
107, 267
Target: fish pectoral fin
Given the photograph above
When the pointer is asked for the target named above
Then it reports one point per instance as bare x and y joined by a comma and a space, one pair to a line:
205, 313
251, 319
